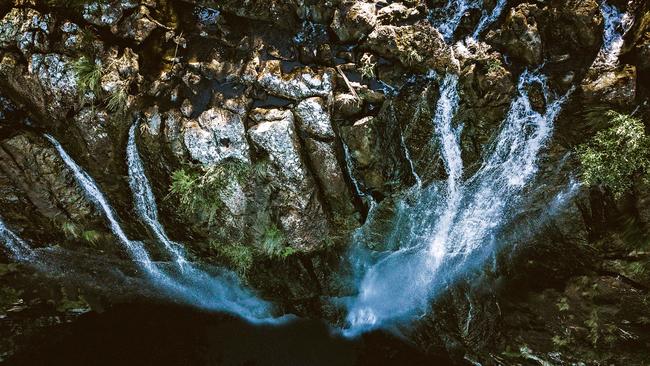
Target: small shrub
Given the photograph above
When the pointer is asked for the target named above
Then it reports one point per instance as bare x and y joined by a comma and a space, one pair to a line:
117, 100
493, 65
88, 74
617, 154
559, 341
70, 230
91, 236
563, 304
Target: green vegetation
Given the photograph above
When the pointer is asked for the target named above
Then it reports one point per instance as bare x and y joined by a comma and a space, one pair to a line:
616, 155
563, 304
70, 230
88, 74
240, 257
117, 100
198, 192
493, 65
274, 243
91, 237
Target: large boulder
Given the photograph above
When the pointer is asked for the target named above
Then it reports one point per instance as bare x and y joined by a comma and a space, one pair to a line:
614, 87
420, 47
520, 35
217, 135
298, 84
354, 20
313, 118
296, 204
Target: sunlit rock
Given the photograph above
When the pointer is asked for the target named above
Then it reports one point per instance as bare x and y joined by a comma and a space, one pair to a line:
313, 118
217, 135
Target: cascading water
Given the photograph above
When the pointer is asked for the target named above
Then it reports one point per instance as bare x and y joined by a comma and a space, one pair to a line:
487, 19
617, 23
222, 292
454, 12
18, 248
94, 194
455, 227
145, 202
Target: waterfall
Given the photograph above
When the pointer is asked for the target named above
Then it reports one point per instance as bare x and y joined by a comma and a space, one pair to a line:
222, 292
455, 227
145, 202
487, 19
454, 11
617, 23
94, 194
18, 248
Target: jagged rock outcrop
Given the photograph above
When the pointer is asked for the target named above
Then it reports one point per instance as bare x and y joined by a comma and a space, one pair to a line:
613, 88
298, 207
40, 193
420, 47
217, 135
521, 35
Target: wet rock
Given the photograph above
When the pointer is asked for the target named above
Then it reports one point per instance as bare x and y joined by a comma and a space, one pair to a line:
420, 47
91, 125
353, 20
313, 118
520, 35
138, 26
26, 29
615, 87
153, 120
330, 176
45, 192
486, 88
298, 84
415, 109
375, 153
300, 212
217, 135
571, 29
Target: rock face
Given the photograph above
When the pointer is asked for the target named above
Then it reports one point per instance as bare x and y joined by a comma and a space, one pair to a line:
307, 113
276, 136
420, 47
217, 135
33, 175
354, 20
298, 84
614, 87
521, 36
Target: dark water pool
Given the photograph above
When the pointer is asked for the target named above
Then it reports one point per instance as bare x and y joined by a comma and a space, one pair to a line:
145, 334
